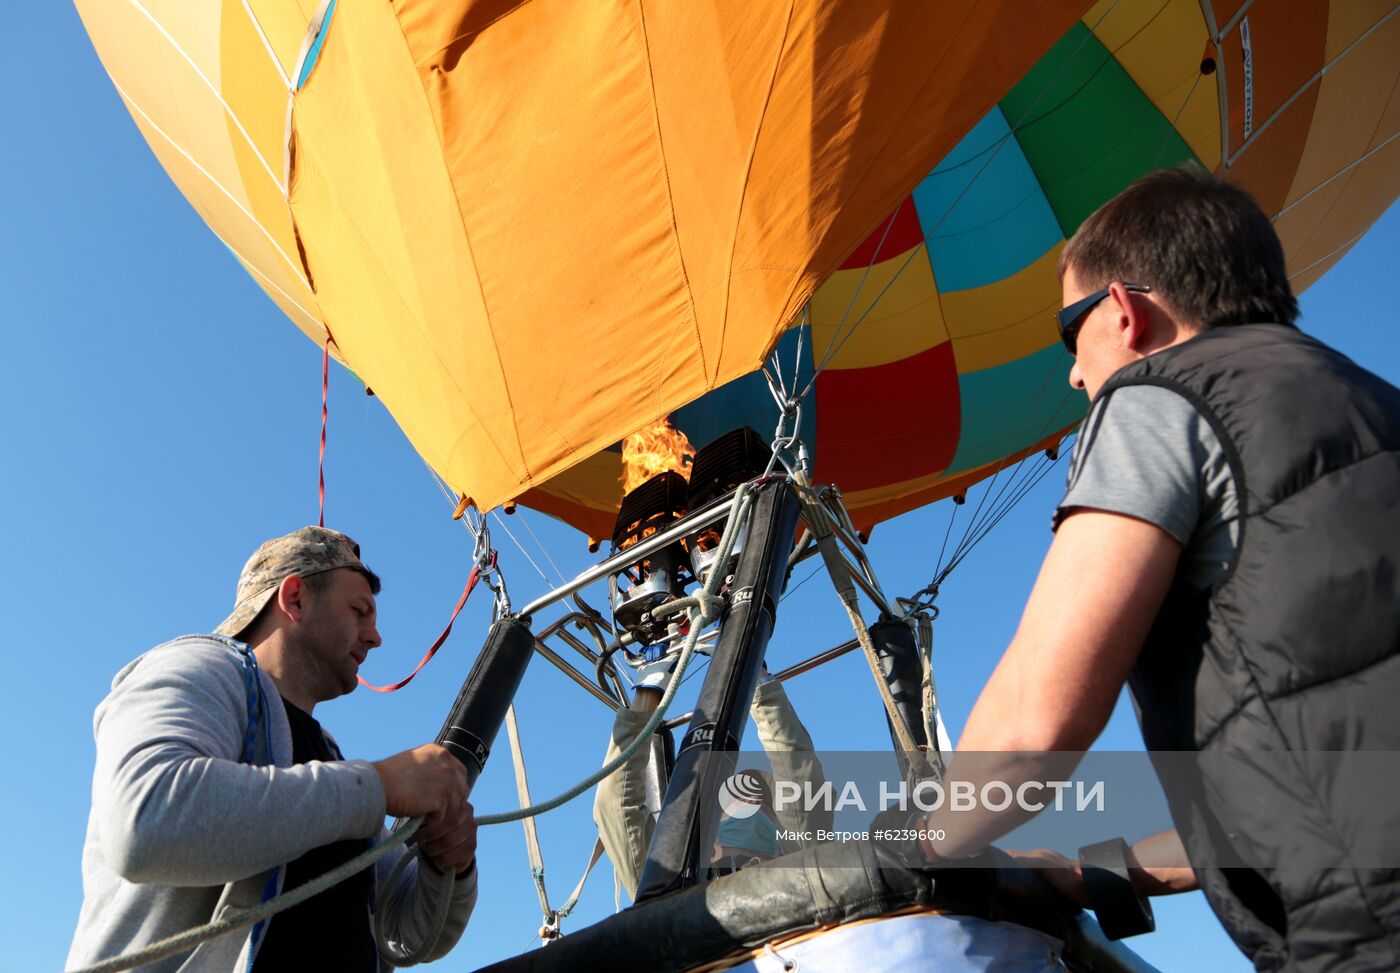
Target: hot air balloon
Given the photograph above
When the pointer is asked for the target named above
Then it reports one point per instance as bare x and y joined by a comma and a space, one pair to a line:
534, 229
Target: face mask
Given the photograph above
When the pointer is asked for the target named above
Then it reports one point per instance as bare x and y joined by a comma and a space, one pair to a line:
755, 833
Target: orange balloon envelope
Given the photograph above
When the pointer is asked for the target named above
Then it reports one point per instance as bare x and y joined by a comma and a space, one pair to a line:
533, 228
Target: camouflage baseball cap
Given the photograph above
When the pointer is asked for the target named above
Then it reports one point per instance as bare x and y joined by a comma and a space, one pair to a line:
310, 550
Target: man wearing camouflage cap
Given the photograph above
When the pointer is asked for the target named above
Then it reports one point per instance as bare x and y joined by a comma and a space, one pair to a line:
216, 789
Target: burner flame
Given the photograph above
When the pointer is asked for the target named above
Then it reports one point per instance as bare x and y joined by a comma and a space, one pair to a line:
654, 449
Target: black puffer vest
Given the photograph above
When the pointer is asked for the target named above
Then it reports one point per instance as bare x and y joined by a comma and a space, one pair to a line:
1296, 648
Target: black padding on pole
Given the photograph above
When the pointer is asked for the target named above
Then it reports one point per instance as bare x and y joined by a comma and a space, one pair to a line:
481, 706
898, 653
827, 884
1108, 884
679, 853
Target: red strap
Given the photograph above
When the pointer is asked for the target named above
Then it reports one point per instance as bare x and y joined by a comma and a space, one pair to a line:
472, 579
325, 393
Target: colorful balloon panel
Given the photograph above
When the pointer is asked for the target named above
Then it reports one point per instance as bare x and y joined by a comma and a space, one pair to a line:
534, 228
955, 369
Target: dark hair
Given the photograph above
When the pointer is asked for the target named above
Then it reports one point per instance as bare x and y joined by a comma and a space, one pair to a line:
1199, 242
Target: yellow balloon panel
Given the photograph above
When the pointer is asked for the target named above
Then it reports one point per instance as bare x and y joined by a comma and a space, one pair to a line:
238, 230
1137, 35
894, 301
409, 318
1008, 319
167, 85
459, 280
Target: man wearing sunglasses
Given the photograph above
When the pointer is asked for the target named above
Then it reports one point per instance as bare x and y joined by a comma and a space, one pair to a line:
1229, 546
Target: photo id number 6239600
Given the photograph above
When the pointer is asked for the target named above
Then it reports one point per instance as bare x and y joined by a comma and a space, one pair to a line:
910, 834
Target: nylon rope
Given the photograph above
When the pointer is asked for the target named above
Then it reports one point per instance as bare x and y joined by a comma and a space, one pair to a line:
976, 521
522, 789
443, 905
977, 529
1021, 428
501, 523
845, 589
985, 530
832, 346
543, 550
803, 327
237, 919
1029, 481
703, 607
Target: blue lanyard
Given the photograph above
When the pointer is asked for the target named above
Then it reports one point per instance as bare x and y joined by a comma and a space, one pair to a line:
253, 685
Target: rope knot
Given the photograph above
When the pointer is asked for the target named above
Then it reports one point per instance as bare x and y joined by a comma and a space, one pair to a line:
707, 607
710, 607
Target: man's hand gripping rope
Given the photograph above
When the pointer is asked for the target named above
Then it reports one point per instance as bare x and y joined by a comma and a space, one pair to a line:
704, 608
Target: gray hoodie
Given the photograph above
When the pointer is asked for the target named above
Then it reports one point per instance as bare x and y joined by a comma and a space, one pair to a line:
196, 808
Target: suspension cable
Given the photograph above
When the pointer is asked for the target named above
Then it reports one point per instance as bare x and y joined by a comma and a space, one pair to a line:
703, 608
1025, 119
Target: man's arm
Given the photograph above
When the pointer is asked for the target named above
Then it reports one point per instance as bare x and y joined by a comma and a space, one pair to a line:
1098, 592
175, 805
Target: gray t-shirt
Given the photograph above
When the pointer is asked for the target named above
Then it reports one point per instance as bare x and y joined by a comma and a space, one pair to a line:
1146, 451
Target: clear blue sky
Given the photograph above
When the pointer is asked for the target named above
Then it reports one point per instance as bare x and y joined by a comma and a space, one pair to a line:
160, 418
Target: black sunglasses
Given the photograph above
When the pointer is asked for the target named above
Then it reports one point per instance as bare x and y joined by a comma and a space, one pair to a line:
1071, 319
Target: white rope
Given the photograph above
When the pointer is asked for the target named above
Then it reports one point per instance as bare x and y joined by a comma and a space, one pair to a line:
550, 930
543, 550
218, 95
500, 522
267, 45
240, 918
296, 269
